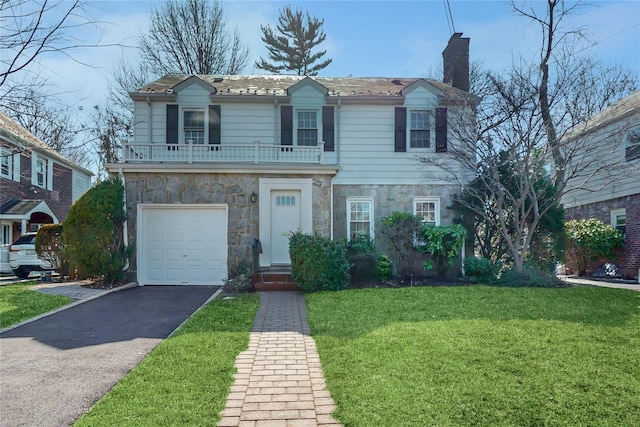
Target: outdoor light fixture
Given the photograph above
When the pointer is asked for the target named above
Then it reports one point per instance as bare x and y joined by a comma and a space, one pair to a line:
253, 197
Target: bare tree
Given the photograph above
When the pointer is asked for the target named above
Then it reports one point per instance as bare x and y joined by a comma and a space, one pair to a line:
53, 124
529, 142
192, 37
32, 28
291, 42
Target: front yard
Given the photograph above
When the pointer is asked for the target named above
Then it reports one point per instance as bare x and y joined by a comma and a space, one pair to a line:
463, 356
18, 303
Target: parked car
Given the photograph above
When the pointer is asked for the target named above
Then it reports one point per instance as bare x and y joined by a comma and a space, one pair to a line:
23, 257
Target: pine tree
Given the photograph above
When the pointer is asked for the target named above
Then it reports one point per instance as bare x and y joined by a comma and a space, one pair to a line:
290, 44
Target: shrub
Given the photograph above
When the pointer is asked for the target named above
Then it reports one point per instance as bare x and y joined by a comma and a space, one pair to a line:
384, 269
50, 247
363, 267
400, 230
318, 263
361, 245
93, 233
529, 277
239, 279
480, 270
443, 243
591, 239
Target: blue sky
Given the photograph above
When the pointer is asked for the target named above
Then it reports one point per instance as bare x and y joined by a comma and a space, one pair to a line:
364, 38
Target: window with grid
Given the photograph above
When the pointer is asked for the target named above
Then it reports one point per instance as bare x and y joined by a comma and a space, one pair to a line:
194, 126
428, 210
308, 128
420, 136
632, 150
360, 218
41, 173
6, 164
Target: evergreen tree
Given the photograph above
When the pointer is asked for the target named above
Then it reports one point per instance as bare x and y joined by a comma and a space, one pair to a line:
291, 42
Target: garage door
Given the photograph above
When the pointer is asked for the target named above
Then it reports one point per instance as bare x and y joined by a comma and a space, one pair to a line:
184, 244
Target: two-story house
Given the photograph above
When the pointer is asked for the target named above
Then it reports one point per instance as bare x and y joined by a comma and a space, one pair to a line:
225, 166
37, 184
612, 165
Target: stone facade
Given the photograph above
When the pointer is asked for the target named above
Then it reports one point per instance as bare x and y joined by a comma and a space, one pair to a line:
628, 257
231, 189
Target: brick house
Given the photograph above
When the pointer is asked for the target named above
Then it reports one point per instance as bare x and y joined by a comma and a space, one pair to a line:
223, 168
612, 194
37, 184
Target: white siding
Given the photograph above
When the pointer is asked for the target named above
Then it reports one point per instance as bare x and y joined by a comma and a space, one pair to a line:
246, 123
80, 183
602, 173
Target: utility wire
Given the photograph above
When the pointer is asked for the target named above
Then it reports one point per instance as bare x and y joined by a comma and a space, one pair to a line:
447, 10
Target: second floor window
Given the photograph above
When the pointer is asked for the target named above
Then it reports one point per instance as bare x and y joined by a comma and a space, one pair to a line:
6, 164
194, 126
632, 150
420, 135
308, 128
41, 173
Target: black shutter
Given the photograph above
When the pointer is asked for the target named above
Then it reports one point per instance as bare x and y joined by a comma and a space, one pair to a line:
328, 129
441, 130
401, 129
214, 124
172, 123
286, 125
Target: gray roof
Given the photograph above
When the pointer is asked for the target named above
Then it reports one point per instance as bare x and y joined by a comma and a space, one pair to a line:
619, 111
22, 207
278, 85
13, 132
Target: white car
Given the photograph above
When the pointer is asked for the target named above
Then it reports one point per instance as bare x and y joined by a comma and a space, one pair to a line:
23, 257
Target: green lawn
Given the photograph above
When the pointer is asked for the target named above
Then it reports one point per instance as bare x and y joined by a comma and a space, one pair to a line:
481, 356
186, 379
18, 303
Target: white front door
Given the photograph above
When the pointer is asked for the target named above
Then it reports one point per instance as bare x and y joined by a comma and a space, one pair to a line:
285, 218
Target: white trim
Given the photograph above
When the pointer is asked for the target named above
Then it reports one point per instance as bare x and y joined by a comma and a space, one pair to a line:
614, 213
142, 280
265, 186
224, 168
371, 214
7, 158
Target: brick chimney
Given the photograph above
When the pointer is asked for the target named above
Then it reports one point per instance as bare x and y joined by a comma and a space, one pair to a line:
455, 60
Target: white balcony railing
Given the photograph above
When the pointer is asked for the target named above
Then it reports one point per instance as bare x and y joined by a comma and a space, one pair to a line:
232, 153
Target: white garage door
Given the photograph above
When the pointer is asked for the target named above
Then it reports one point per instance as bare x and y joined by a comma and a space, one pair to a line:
185, 244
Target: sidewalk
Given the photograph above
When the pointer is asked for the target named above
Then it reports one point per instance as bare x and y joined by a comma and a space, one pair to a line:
279, 380
586, 281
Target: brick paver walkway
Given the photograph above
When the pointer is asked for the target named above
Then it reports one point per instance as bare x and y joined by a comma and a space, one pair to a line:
279, 380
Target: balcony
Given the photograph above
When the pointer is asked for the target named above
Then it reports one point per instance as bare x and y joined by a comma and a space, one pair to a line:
255, 153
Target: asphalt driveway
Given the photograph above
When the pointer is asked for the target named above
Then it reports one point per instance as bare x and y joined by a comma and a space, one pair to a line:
54, 369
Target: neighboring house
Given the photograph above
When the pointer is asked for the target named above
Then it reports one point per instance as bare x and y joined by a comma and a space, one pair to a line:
223, 168
612, 194
37, 184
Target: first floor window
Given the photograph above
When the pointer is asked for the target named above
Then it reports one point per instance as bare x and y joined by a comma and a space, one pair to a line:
308, 128
359, 218
194, 126
420, 132
6, 164
41, 172
428, 209
619, 220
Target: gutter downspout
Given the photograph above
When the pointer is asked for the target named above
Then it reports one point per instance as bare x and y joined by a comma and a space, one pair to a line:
150, 109
125, 225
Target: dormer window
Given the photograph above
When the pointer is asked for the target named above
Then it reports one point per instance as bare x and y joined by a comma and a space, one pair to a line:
308, 128
194, 126
420, 135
